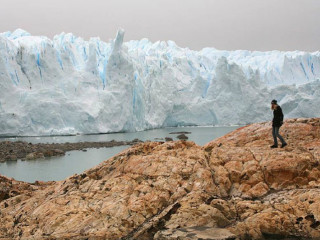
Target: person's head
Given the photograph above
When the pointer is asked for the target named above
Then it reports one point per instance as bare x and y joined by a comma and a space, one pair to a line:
274, 104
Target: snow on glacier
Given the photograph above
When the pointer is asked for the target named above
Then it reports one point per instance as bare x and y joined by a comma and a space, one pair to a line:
67, 85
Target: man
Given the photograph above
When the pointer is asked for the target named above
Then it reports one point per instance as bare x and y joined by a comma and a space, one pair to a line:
277, 122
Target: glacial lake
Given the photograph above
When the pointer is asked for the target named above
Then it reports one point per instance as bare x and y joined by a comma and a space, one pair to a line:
59, 168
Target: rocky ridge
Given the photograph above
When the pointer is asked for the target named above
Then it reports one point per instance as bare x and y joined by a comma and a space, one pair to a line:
235, 187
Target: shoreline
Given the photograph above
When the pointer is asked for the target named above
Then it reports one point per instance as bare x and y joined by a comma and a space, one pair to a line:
14, 150
2, 137
23, 150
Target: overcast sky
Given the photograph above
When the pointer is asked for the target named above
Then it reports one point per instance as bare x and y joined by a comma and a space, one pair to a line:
223, 24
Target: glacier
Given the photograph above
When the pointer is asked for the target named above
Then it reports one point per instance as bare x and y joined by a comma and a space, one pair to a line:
67, 85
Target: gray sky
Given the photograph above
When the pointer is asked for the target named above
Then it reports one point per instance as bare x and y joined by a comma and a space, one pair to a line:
223, 24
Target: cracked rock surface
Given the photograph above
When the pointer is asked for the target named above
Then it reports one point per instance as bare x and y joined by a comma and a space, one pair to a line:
235, 187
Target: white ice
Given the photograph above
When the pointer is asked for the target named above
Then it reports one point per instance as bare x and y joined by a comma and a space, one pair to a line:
68, 85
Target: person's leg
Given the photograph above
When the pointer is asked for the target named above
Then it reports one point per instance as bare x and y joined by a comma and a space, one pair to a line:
274, 136
279, 136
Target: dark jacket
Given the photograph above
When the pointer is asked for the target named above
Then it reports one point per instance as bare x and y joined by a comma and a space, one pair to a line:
277, 117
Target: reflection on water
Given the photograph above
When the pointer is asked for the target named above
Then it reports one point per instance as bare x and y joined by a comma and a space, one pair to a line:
58, 168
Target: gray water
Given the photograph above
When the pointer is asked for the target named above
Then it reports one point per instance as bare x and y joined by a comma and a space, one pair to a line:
200, 135
59, 168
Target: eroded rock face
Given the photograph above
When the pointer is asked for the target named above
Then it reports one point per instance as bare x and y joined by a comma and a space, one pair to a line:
10, 188
236, 186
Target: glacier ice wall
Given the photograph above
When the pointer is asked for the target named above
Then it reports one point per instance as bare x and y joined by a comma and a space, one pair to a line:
67, 85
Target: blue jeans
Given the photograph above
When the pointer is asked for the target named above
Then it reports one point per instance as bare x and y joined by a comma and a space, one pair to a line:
275, 134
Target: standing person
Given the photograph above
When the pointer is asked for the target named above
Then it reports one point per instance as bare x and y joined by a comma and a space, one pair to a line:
277, 122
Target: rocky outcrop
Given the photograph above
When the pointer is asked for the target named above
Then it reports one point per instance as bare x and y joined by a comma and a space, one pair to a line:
14, 150
235, 187
10, 188
182, 137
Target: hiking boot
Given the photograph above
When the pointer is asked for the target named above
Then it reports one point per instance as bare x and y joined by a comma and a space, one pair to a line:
283, 145
274, 146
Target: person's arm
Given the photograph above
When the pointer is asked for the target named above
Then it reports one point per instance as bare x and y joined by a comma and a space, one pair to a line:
281, 117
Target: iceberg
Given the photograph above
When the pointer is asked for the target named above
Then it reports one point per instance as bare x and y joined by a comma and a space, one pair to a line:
67, 85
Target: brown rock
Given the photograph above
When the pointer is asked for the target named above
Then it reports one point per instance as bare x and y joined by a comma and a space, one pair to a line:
195, 233
168, 139
182, 137
22, 149
39, 155
234, 187
10, 188
13, 157
48, 153
58, 152
31, 156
